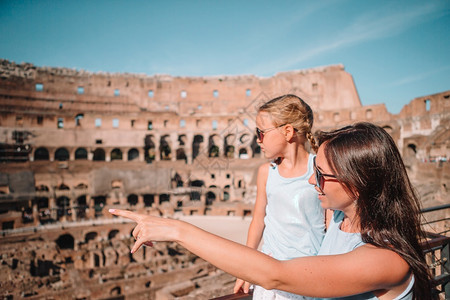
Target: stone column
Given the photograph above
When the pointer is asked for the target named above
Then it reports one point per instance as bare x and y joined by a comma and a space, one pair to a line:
188, 147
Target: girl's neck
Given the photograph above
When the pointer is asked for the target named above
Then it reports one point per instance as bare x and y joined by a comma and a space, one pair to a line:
294, 163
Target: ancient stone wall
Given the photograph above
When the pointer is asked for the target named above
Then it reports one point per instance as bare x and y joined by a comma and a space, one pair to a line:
162, 145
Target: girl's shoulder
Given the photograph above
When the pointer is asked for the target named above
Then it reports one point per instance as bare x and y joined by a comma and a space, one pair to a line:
263, 171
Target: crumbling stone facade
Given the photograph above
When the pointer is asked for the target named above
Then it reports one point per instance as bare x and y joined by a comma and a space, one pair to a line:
75, 143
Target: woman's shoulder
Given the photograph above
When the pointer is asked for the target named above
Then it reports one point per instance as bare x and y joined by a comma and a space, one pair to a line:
380, 262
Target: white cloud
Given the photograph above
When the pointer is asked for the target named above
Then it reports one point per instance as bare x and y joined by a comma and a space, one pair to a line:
417, 77
377, 24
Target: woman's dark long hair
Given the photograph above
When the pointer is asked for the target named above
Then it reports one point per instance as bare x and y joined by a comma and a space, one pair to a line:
368, 164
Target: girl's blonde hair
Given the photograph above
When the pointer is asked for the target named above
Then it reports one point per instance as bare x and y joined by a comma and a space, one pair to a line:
291, 109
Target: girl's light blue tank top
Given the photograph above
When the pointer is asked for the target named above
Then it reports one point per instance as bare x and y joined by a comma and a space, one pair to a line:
294, 221
337, 241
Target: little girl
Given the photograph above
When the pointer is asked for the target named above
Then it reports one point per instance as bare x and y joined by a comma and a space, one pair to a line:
287, 214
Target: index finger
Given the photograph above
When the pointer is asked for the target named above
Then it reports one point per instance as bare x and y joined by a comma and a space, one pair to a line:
126, 214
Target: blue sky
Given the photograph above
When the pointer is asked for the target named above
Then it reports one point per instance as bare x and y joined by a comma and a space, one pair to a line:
395, 50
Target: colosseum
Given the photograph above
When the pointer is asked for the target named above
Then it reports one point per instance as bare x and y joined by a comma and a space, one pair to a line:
75, 143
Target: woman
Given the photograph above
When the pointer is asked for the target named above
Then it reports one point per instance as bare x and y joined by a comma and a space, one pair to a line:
360, 175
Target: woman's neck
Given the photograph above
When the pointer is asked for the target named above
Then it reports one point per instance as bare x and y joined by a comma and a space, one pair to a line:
350, 223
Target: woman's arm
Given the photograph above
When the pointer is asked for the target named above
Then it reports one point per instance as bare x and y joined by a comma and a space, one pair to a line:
365, 269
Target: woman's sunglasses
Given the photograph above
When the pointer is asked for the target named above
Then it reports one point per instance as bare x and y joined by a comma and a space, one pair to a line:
320, 177
261, 132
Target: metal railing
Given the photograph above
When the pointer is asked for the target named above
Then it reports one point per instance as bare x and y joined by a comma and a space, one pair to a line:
437, 251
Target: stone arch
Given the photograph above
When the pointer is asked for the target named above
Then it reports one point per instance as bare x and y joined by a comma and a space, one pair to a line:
181, 154
149, 148
210, 198
112, 234
81, 186
99, 203
90, 236
369, 114
245, 139
229, 151
164, 148
226, 193
182, 139
99, 154
229, 142
63, 187
81, 206
116, 154
177, 180
388, 129
213, 146
164, 198
196, 145
149, 199
197, 183
81, 153
240, 183
132, 199
97, 261
42, 202
411, 149
65, 241
41, 153
243, 154
116, 291
63, 206
61, 154
256, 149
195, 195
133, 154
42, 188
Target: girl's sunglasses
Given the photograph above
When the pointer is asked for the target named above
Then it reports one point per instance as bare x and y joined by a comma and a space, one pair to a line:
261, 132
320, 177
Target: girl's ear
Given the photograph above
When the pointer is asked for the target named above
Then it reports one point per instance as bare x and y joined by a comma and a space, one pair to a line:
289, 132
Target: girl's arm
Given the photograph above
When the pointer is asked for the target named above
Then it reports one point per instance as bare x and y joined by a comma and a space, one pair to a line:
365, 269
256, 228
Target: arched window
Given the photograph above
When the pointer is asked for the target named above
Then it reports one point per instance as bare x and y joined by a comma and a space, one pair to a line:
132, 199
65, 241
81, 153
133, 154
229, 151
198, 140
149, 199
99, 155
63, 204
210, 198
181, 155
112, 234
90, 236
63, 187
41, 153
165, 148
214, 151
243, 153
62, 154
116, 154
164, 198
